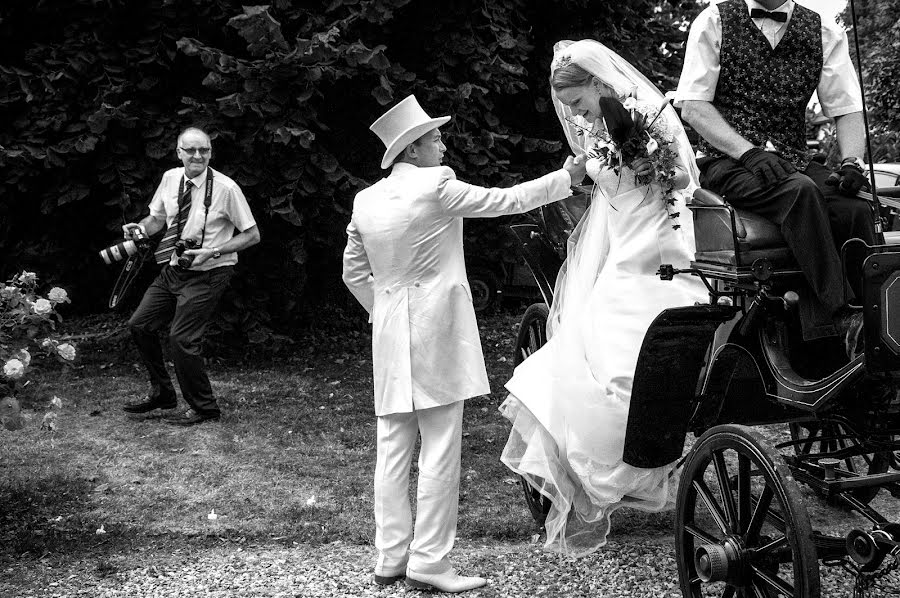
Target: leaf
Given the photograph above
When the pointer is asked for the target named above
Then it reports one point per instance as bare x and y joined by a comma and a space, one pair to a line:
261, 31
382, 95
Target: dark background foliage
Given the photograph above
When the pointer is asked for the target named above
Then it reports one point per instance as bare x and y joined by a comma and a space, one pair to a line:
94, 92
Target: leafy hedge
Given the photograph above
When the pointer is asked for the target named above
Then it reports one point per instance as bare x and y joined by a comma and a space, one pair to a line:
94, 92
879, 39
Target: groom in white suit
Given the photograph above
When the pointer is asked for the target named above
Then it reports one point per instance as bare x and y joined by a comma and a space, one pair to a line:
404, 263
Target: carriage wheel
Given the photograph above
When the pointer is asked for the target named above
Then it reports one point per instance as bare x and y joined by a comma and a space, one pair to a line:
532, 331
740, 525
532, 336
829, 436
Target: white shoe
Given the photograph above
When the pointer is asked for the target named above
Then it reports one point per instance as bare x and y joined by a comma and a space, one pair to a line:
449, 581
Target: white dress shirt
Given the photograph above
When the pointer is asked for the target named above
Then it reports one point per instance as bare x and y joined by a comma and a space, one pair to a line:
838, 88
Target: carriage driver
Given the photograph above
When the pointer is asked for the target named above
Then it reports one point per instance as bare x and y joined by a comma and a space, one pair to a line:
750, 69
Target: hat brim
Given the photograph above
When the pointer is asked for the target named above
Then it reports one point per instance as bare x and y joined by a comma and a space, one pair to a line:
408, 136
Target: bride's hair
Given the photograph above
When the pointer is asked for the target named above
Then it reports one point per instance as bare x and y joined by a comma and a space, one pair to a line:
570, 75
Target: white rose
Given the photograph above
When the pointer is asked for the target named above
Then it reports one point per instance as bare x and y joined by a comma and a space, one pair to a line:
629, 103
42, 306
27, 277
66, 351
25, 357
46, 343
14, 369
58, 295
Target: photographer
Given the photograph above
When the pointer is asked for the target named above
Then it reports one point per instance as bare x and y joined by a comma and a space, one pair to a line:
200, 208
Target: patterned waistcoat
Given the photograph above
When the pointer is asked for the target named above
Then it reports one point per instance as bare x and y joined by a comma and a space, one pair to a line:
763, 92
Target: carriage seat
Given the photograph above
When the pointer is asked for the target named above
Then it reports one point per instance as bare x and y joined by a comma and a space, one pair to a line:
728, 236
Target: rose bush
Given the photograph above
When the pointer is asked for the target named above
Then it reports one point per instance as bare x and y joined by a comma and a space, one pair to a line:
24, 315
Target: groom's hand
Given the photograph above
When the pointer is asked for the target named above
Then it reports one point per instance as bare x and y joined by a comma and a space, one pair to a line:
575, 167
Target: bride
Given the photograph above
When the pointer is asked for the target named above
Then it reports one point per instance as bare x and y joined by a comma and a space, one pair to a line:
568, 402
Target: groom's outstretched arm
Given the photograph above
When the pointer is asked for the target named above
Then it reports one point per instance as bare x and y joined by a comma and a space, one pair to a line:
471, 201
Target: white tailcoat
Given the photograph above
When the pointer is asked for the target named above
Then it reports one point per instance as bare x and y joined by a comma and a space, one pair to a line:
404, 263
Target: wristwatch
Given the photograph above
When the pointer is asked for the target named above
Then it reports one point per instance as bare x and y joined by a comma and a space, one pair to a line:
855, 161
216, 253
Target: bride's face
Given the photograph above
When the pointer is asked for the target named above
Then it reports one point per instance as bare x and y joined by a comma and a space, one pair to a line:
584, 100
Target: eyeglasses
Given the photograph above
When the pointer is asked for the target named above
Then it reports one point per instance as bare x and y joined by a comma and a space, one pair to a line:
203, 151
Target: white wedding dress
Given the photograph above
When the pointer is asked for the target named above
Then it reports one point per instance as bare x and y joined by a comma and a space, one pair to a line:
568, 402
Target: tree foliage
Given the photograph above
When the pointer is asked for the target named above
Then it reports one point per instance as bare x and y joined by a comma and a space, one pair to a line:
878, 27
94, 93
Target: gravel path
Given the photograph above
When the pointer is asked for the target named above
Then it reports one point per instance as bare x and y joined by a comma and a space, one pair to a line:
629, 566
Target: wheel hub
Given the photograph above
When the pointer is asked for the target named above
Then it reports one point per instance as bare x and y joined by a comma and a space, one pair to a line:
720, 562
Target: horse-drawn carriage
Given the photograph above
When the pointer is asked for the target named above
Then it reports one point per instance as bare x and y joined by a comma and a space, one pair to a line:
719, 369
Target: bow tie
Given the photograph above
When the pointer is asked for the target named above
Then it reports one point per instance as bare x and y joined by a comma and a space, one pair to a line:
758, 13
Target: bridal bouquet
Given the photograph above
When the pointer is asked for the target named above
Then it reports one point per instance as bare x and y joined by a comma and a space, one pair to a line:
629, 135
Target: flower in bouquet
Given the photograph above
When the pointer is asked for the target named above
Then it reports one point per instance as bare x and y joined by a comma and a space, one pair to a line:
628, 135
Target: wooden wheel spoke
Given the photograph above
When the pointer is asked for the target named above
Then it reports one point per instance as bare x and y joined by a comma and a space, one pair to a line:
771, 581
700, 534
725, 490
714, 509
773, 545
743, 490
759, 514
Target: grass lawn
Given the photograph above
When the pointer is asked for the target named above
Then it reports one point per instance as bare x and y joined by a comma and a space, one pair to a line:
289, 464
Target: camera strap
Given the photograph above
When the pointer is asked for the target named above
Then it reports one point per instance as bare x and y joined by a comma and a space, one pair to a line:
207, 201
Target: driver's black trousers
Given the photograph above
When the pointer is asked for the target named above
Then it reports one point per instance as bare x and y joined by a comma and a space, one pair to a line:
815, 220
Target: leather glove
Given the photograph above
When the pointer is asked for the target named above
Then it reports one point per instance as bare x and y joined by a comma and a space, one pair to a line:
769, 168
848, 179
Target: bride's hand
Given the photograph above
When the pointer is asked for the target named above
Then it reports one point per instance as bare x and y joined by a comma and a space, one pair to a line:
642, 167
575, 166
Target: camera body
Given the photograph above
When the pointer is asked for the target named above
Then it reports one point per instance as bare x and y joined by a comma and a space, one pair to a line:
185, 261
126, 248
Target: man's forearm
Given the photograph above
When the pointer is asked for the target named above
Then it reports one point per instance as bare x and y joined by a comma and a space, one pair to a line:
152, 224
241, 241
708, 122
851, 135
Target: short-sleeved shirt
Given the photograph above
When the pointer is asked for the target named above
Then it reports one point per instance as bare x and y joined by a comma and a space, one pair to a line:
838, 88
228, 212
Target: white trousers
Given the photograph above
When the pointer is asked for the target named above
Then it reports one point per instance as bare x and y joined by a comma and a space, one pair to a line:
437, 497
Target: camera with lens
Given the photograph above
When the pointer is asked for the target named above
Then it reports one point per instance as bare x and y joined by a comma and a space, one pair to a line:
185, 261
127, 248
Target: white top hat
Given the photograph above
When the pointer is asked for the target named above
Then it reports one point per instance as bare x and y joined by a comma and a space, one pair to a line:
401, 125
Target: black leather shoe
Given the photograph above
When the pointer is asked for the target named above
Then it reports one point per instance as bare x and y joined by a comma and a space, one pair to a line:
148, 405
850, 327
191, 418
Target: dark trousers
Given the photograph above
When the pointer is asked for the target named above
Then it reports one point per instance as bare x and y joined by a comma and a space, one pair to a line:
815, 221
187, 300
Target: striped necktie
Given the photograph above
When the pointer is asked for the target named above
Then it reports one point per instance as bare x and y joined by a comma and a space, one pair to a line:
167, 246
